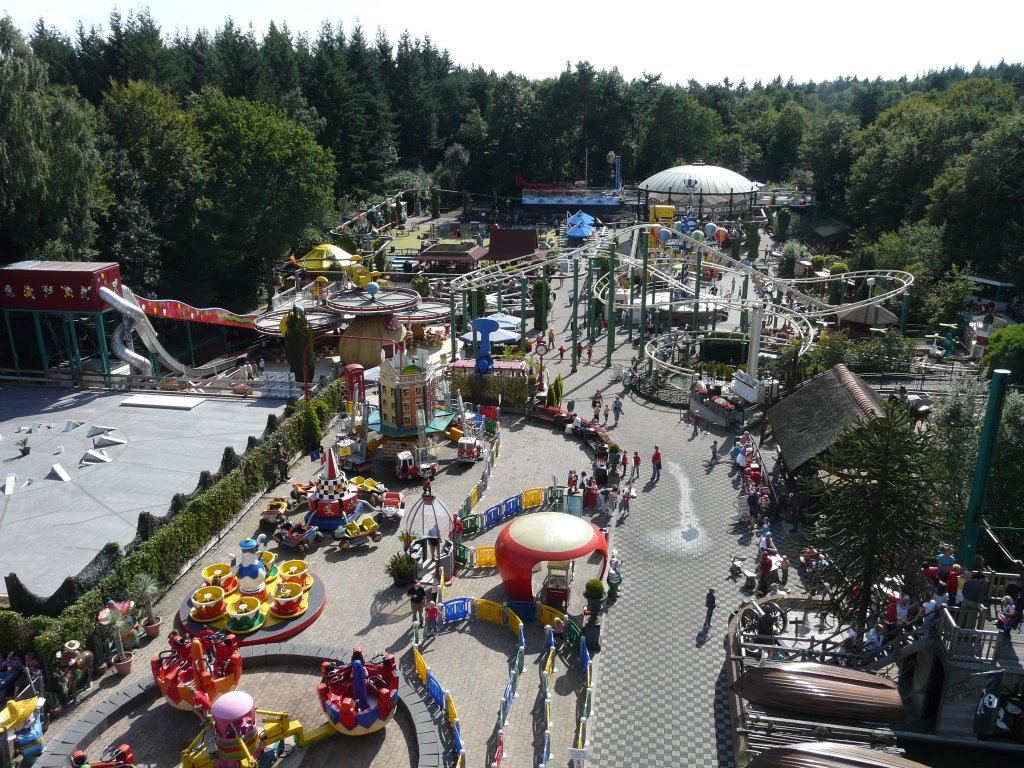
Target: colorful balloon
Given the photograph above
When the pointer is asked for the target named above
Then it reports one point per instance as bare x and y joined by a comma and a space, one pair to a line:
709, 230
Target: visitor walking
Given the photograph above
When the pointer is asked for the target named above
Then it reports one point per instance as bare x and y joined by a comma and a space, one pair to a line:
710, 602
625, 463
636, 465
561, 353
656, 465
590, 353
417, 598
282, 463
617, 409
433, 619
551, 337
714, 452
696, 422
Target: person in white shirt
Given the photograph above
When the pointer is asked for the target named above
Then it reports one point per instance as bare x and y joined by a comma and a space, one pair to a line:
875, 637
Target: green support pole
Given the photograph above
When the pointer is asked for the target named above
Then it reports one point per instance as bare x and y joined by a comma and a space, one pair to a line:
44, 358
644, 255
473, 312
10, 340
983, 468
591, 302
191, 349
101, 342
453, 338
67, 347
696, 293
465, 313
610, 304
743, 312
522, 313
632, 297
575, 311
501, 307
76, 355
905, 312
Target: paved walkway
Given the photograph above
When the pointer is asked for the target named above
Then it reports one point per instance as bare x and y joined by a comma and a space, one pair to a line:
660, 684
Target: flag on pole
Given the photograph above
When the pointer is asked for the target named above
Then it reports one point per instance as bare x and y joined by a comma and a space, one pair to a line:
987, 713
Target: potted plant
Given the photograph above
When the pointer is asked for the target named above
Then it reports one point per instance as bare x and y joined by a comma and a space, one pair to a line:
594, 592
614, 452
118, 624
146, 589
401, 568
23, 446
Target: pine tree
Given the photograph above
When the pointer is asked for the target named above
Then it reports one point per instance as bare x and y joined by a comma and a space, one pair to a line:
879, 516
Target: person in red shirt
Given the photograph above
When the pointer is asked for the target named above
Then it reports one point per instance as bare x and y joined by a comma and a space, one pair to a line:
656, 465
561, 352
636, 465
590, 353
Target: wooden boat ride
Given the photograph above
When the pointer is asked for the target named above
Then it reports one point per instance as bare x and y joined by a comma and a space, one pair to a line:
827, 754
822, 690
359, 697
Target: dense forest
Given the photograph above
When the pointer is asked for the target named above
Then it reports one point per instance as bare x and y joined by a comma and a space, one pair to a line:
196, 161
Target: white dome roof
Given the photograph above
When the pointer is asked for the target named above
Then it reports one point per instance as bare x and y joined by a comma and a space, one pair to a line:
713, 183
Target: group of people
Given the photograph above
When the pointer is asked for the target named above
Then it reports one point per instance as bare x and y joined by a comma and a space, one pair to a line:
13, 674
746, 460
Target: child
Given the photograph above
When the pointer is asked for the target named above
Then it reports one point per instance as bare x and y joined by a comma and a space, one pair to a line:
433, 619
590, 353
627, 496
625, 463
606, 411
559, 632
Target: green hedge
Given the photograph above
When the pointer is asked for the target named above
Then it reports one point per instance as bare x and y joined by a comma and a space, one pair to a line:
183, 537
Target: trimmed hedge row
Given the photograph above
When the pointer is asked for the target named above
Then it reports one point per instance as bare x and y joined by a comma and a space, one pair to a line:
181, 539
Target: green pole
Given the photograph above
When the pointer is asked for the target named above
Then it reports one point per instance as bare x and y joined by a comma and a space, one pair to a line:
473, 312
75, 352
632, 296
983, 468
696, 292
743, 312
44, 358
644, 255
191, 349
101, 341
591, 301
501, 307
10, 340
453, 338
575, 310
905, 312
610, 304
522, 313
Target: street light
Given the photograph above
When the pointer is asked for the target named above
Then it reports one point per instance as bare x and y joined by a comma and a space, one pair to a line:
871, 292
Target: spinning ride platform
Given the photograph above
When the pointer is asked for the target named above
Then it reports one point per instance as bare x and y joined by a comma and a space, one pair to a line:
377, 322
293, 599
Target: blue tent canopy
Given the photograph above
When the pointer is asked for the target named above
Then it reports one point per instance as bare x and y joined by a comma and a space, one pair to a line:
580, 230
581, 218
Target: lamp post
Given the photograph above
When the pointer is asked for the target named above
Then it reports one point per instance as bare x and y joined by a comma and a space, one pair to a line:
871, 293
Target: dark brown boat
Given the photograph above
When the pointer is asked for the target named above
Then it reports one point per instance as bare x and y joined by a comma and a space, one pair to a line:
822, 690
827, 754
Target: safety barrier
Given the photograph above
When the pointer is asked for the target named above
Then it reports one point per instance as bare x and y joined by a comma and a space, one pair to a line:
445, 703
587, 703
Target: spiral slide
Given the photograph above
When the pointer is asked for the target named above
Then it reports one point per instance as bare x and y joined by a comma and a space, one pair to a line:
134, 319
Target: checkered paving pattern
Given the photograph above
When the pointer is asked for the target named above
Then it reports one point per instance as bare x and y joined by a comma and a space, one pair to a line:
661, 697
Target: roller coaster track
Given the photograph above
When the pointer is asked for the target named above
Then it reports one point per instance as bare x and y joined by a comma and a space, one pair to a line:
814, 308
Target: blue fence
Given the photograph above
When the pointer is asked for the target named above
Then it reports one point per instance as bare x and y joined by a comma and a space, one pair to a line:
435, 690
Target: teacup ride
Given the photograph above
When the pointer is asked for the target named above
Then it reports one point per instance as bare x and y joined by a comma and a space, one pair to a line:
257, 610
359, 697
246, 614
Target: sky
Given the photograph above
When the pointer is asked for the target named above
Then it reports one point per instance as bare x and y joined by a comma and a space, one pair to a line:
745, 40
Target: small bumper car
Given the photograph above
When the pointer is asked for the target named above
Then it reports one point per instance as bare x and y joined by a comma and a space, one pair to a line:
274, 513
297, 535
357, 532
392, 507
301, 491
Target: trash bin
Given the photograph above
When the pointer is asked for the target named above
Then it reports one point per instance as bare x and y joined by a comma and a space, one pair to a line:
601, 476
